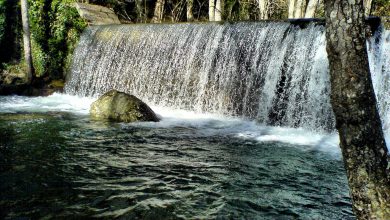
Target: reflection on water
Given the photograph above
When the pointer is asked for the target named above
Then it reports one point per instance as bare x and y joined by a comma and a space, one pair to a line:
62, 165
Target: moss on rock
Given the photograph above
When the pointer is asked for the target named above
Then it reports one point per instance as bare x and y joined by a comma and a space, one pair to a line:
121, 107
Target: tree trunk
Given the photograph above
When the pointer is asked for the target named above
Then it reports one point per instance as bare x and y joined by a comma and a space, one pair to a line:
263, 9
218, 10
190, 15
140, 12
354, 105
158, 11
311, 8
298, 9
211, 10
291, 8
27, 40
367, 7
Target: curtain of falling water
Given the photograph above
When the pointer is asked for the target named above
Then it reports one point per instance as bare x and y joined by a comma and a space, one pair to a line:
276, 73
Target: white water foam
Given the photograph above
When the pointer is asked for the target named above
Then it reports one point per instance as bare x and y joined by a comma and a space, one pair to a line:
205, 125
54, 103
217, 125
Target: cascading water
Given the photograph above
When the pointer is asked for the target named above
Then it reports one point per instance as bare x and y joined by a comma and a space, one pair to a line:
379, 58
276, 73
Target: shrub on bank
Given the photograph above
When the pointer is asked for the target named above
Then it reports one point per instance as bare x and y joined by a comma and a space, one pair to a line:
55, 29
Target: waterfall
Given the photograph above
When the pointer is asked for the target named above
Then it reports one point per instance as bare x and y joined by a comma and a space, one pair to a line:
379, 58
272, 72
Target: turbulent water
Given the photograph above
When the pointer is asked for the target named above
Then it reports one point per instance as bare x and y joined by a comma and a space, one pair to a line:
379, 57
275, 73
57, 163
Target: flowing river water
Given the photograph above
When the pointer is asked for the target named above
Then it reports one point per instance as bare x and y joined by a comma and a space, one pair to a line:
58, 163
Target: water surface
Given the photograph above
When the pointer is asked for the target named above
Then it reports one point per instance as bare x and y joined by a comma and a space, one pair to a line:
58, 163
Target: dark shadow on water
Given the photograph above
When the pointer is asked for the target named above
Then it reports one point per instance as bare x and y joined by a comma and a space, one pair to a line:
31, 153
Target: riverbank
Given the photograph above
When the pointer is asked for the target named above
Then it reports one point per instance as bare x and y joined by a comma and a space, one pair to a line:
39, 87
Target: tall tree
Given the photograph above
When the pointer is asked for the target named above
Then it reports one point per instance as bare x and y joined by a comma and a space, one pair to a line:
211, 10
140, 11
311, 8
190, 15
218, 10
367, 7
296, 8
27, 40
158, 11
263, 9
291, 8
354, 104
299, 4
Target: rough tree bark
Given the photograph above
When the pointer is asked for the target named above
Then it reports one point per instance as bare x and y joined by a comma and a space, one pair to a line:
311, 9
158, 11
354, 104
27, 40
263, 9
218, 10
211, 10
190, 15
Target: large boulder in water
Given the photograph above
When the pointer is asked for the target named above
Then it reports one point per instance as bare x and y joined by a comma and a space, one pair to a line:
121, 107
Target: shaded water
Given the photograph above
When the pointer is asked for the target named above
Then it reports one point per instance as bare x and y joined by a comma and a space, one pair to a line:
60, 164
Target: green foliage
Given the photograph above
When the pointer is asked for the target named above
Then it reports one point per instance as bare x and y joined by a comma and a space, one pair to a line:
381, 8
18, 69
40, 58
2, 19
56, 28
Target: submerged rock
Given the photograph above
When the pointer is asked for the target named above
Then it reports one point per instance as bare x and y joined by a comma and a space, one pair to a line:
122, 107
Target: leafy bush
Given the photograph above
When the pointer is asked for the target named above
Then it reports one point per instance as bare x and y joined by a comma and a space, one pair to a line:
2, 19
381, 8
56, 28
2, 24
